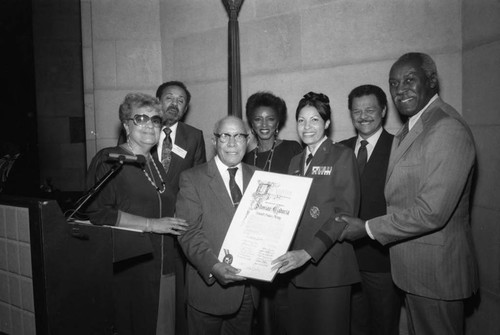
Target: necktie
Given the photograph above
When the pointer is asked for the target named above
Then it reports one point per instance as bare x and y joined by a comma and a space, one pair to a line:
309, 159
362, 156
166, 150
233, 187
404, 132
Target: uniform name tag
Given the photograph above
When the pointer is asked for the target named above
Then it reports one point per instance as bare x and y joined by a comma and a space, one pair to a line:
179, 151
322, 170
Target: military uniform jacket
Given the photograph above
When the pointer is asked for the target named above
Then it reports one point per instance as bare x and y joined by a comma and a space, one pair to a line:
334, 191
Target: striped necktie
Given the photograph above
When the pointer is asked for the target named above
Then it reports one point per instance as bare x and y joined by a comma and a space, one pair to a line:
404, 132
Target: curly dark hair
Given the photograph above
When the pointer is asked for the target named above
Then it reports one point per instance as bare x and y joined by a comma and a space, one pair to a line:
266, 99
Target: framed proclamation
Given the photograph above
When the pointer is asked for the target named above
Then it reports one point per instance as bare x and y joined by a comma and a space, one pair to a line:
264, 223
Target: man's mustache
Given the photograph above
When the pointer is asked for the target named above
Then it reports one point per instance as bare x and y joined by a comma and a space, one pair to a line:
173, 108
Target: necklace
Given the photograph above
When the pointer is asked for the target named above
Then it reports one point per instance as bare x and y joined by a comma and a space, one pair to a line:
151, 181
269, 159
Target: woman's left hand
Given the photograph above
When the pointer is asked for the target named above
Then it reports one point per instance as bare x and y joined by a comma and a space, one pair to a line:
168, 225
290, 261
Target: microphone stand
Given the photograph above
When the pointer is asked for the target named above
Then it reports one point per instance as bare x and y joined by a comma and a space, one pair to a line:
115, 168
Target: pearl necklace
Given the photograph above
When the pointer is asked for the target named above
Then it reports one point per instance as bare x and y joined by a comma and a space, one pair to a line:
269, 159
151, 181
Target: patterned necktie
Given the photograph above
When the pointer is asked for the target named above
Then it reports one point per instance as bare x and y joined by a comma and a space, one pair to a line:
362, 156
404, 132
166, 150
233, 187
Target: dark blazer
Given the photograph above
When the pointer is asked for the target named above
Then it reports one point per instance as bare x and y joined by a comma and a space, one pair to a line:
371, 255
334, 191
190, 139
207, 207
427, 189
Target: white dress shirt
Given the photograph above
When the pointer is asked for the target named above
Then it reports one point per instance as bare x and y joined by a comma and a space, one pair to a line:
225, 175
372, 142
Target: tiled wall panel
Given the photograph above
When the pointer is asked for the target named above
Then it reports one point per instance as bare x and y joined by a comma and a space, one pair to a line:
17, 312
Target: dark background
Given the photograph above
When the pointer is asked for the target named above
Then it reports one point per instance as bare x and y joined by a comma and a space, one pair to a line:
18, 132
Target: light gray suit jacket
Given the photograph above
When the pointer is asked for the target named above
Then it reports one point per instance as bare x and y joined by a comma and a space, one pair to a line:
203, 201
427, 189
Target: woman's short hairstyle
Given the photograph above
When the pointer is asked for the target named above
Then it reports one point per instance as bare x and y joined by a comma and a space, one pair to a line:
318, 101
266, 99
137, 100
365, 90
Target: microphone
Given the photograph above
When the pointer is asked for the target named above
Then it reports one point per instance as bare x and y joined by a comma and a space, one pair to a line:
139, 159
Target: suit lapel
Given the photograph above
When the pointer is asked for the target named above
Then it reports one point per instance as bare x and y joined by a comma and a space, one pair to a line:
247, 175
397, 151
381, 145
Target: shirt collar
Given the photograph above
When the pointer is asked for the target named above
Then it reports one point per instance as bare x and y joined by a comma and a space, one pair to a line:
413, 120
223, 167
317, 146
372, 140
173, 127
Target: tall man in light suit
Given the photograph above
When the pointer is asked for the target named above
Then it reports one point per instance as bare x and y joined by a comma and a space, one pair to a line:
375, 303
219, 301
427, 189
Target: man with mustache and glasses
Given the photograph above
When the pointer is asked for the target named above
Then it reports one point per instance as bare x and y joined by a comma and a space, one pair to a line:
375, 302
427, 189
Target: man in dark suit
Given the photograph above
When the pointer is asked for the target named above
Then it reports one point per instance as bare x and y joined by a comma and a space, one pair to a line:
428, 186
376, 304
183, 149
187, 143
219, 301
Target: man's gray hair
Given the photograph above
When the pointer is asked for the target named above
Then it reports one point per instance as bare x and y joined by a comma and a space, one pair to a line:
426, 62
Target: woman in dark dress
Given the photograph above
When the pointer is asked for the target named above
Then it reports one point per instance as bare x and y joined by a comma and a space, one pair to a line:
138, 197
266, 114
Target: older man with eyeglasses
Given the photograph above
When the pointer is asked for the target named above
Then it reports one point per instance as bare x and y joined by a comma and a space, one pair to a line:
219, 300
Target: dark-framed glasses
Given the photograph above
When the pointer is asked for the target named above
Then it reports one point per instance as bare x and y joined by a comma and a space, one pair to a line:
224, 137
142, 120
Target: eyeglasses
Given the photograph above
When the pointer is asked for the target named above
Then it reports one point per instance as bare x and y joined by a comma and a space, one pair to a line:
142, 120
224, 137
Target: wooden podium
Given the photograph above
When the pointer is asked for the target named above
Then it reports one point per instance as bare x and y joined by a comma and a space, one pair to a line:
74, 268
